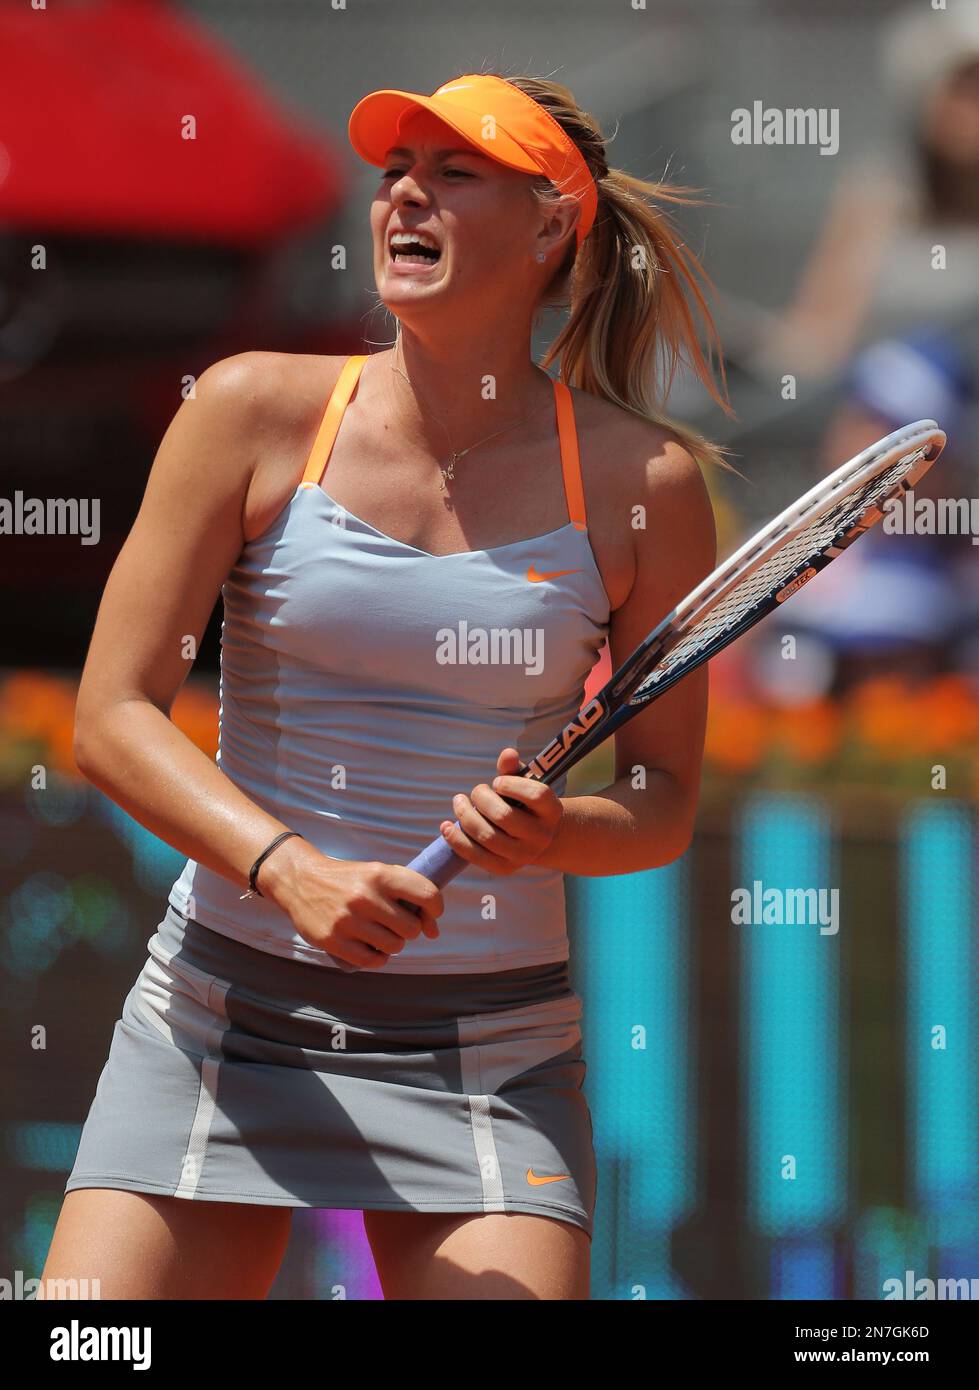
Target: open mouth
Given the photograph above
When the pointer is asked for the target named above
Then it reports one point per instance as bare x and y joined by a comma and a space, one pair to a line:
413, 248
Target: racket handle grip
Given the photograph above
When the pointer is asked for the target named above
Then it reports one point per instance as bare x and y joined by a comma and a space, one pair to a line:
437, 862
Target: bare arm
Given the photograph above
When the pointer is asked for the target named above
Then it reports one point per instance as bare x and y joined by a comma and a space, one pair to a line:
159, 596
624, 827
821, 324
156, 604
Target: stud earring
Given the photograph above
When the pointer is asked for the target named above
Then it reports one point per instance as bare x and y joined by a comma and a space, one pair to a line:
541, 256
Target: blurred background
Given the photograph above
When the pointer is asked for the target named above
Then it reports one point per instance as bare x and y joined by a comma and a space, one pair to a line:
779, 1113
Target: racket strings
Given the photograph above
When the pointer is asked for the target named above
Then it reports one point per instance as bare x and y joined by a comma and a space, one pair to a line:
788, 560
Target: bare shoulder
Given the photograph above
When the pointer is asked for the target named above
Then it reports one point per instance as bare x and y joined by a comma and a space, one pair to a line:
270, 390
646, 492
273, 403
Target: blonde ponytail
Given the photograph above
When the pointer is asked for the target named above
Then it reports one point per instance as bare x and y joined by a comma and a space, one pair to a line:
633, 289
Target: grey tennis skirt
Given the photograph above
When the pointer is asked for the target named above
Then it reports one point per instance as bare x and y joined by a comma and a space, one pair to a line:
239, 1076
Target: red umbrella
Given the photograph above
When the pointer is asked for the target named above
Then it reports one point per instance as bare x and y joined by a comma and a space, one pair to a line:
123, 117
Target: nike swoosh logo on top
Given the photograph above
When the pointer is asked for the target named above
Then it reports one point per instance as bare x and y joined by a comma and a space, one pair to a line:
535, 1181
459, 87
537, 578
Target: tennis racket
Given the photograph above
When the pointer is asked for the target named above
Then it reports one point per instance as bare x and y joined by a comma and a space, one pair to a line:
767, 570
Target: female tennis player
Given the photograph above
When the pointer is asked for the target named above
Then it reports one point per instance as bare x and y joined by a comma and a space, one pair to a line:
420, 553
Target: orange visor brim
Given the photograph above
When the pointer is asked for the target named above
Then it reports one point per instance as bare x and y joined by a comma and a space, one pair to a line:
496, 118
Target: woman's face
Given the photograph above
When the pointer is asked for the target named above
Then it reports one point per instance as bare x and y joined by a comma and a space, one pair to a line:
481, 219
951, 119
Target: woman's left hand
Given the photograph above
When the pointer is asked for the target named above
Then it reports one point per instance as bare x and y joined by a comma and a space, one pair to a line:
498, 837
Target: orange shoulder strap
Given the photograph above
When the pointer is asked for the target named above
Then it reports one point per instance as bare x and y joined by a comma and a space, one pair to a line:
570, 462
319, 455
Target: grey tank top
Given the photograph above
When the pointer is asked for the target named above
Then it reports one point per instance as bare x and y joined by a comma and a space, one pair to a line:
364, 682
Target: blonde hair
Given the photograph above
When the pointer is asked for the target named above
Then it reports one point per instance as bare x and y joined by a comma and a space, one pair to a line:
631, 288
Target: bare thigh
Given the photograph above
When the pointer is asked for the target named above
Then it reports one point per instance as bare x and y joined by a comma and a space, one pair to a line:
165, 1247
497, 1256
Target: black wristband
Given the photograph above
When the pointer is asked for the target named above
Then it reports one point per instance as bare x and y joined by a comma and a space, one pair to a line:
253, 887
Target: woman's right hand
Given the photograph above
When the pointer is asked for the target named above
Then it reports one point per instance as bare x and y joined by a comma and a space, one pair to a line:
350, 907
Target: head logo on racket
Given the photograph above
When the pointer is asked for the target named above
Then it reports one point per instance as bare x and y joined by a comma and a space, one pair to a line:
586, 717
767, 569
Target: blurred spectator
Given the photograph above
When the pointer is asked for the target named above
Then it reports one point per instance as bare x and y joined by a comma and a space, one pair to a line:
871, 272
900, 604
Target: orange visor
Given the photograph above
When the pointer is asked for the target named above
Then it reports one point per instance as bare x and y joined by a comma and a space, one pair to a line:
498, 119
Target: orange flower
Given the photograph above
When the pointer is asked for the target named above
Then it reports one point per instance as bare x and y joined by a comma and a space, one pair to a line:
809, 733
948, 713
737, 735
879, 713
33, 704
38, 709
195, 713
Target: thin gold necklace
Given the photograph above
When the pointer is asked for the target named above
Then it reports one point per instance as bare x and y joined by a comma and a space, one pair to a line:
447, 469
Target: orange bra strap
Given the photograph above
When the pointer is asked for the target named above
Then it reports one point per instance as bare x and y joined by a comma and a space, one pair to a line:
319, 455
570, 462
